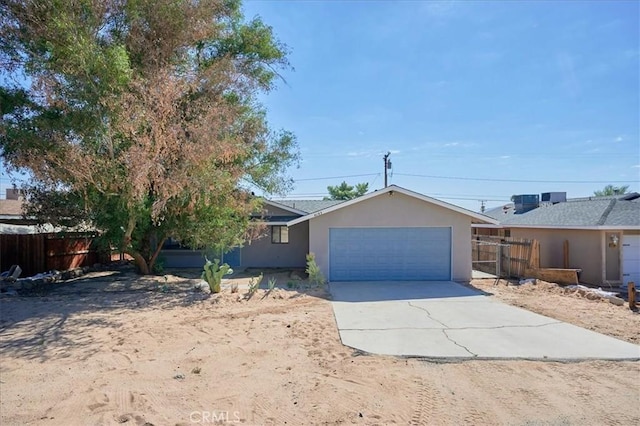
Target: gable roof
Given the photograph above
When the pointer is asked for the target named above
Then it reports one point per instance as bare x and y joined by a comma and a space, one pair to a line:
283, 206
478, 217
586, 213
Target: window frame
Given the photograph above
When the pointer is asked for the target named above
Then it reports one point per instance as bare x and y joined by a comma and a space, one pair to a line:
276, 234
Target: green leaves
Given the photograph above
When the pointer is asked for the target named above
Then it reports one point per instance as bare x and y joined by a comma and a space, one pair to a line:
611, 190
347, 192
145, 114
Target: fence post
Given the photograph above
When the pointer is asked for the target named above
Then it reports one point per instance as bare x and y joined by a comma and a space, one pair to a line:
631, 289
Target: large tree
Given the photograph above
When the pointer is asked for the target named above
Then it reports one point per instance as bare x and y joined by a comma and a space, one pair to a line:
140, 117
346, 192
611, 190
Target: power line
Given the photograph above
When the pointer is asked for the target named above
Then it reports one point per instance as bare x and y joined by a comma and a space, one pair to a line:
514, 180
335, 177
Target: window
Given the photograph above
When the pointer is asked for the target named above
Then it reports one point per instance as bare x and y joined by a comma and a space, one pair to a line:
279, 235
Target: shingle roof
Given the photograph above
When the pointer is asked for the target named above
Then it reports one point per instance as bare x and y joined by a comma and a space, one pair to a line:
624, 213
599, 211
309, 206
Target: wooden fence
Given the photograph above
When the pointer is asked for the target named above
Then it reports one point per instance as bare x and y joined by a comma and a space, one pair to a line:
37, 253
504, 256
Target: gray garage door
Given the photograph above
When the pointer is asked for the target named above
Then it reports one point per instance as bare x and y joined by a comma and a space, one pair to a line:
383, 254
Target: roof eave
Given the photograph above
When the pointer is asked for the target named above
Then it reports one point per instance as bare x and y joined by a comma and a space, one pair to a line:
579, 227
479, 217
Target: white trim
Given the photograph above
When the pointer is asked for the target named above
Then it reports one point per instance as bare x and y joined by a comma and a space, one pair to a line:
283, 207
603, 256
394, 188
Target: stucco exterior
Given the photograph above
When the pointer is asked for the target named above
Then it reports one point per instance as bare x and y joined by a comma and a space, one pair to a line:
589, 250
394, 209
262, 253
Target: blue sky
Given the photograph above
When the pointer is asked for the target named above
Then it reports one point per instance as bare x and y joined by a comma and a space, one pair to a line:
530, 91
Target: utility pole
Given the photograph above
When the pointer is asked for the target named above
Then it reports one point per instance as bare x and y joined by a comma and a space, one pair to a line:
482, 208
387, 166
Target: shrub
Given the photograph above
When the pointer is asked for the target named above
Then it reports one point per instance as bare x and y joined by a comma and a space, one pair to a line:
272, 283
254, 283
316, 278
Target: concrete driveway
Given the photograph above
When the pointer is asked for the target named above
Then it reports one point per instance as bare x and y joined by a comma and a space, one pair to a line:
449, 320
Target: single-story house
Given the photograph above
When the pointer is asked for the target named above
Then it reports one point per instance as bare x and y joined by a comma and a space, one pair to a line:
389, 234
12, 220
603, 233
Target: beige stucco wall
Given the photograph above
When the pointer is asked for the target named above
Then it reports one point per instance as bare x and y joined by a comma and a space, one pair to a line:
585, 250
397, 210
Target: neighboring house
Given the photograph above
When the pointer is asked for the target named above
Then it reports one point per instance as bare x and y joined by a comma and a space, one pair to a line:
389, 234
603, 233
11, 217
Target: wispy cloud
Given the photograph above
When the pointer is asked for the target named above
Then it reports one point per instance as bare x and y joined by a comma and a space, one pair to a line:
439, 9
504, 157
637, 166
365, 153
452, 144
619, 139
568, 74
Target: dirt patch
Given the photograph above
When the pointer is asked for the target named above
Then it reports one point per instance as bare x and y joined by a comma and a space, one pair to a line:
572, 305
119, 349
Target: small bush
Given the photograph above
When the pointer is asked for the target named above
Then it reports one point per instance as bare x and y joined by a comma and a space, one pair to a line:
316, 278
272, 283
254, 283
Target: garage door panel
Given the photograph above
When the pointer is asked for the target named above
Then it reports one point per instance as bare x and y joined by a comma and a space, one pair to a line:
631, 259
377, 254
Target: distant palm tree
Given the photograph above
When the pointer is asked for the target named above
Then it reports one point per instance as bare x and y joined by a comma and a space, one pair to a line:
611, 190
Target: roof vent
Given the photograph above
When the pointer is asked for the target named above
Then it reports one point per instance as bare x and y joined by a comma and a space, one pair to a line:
525, 202
554, 197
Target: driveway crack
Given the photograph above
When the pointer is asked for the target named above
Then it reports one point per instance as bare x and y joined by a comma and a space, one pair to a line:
497, 327
456, 343
428, 314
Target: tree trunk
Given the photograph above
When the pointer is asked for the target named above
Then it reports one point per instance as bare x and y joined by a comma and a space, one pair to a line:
140, 262
156, 253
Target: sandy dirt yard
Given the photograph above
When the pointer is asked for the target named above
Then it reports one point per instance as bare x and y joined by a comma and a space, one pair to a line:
114, 348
